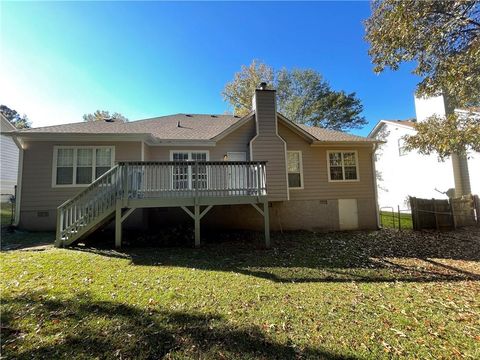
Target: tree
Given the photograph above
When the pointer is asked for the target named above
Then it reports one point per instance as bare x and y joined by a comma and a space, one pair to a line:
20, 122
445, 136
441, 37
102, 115
239, 92
302, 96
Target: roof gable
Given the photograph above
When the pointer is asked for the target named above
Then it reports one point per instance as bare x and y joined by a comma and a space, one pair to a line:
407, 124
316, 134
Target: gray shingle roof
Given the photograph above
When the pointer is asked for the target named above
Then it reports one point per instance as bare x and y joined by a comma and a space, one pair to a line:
179, 127
332, 135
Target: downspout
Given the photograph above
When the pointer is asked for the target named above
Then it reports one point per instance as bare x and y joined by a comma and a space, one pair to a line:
18, 195
374, 171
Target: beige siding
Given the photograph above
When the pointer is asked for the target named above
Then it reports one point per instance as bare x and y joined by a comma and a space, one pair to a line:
37, 190
268, 146
315, 171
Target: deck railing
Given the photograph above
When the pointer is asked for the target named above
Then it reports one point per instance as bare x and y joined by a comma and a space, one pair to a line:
77, 213
172, 179
156, 180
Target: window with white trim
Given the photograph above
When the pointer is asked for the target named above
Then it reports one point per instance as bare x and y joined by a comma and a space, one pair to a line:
342, 166
294, 167
80, 165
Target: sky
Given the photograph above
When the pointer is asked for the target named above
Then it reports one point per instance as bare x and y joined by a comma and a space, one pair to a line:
60, 60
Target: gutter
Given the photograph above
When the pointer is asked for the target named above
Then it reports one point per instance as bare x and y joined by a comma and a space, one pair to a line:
319, 143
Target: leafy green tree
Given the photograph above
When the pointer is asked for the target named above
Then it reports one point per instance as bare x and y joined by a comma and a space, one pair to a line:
240, 90
441, 37
102, 115
20, 122
303, 96
446, 136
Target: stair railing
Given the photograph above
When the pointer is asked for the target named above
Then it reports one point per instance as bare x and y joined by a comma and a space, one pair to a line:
78, 213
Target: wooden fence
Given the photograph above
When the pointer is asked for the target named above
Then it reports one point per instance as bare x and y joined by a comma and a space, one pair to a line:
445, 214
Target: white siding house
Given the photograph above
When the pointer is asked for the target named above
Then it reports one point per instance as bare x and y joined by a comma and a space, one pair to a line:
8, 161
401, 174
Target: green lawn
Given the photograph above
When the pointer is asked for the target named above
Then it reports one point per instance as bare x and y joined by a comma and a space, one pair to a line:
384, 294
390, 220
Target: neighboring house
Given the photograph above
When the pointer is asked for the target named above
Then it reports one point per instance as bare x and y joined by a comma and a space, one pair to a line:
402, 173
8, 161
208, 167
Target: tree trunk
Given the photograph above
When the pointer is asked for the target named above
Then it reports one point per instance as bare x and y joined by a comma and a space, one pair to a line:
461, 175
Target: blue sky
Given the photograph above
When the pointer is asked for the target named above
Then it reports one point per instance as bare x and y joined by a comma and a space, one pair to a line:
61, 60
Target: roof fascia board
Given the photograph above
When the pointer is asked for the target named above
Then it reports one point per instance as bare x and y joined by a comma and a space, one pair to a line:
79, 137
375, 129
344, 143
386, 122
170, 143
27, 136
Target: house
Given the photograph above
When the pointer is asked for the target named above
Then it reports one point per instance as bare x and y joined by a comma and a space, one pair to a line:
402, 173
8, 161
260, 171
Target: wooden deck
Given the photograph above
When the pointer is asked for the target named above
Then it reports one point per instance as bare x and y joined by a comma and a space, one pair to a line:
195, 186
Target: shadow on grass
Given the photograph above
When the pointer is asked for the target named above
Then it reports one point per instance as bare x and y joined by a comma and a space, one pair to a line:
378, 256
84, 328
13, 239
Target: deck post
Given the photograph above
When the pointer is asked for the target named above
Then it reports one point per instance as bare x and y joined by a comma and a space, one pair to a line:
58, 240
266, 219
197, 225
118, 225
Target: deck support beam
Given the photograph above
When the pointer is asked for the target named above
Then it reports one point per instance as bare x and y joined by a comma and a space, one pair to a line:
118, 224
197, 215
197, 225
119, 219
266, 221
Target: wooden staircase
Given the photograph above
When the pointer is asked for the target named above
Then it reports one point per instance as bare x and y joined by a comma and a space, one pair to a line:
90, 209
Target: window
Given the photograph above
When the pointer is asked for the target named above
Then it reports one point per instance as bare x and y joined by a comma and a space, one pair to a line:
81, 165
295, 173
184, 176
342, 166
401, 148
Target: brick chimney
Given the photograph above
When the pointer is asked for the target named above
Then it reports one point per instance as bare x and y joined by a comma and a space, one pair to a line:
267, 145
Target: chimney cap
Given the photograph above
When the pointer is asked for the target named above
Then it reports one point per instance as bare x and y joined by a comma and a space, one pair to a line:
263, 86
